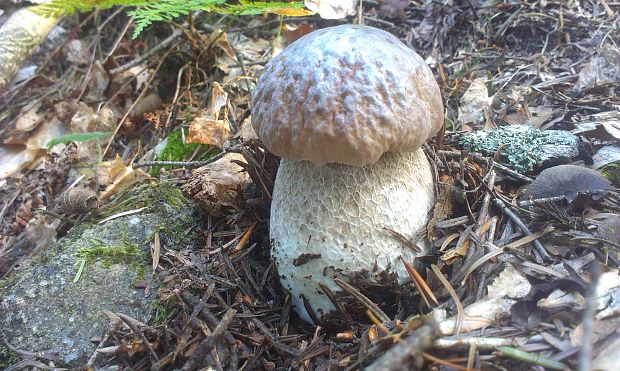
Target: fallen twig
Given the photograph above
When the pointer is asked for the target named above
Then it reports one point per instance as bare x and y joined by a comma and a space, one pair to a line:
408, 352
210, 341
190, 164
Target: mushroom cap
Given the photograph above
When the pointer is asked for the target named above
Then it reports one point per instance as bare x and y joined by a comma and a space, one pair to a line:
346, 94
568, 181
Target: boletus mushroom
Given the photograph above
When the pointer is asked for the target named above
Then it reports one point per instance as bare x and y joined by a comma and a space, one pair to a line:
347, 108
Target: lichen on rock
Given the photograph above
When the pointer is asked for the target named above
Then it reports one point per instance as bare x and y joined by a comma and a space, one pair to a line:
522, 147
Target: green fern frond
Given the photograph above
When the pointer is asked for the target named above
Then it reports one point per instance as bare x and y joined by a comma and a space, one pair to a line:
148, 11
260, 7
167, 10
57, 8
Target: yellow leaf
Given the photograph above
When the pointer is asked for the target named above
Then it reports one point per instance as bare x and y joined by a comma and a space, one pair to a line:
207, 128
292, 12
208, 131
122, 177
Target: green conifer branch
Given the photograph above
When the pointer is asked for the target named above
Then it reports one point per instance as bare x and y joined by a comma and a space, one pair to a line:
146, 12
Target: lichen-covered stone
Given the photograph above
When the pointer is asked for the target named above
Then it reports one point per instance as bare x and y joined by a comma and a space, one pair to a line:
522, 147
42, 309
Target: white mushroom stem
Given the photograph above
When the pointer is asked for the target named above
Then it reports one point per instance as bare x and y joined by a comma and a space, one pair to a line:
332, 221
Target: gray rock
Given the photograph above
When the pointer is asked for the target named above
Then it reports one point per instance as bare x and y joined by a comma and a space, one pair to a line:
524, 148
42, 309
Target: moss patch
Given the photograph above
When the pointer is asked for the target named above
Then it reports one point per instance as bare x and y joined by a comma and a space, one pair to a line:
161, 312
155, 196
159, 198
612, 173
8, 357
176, 150
126, 252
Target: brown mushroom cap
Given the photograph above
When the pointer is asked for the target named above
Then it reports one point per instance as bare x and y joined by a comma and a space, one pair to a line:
346, 94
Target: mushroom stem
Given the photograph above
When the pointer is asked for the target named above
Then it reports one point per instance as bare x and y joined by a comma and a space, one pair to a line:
333, 221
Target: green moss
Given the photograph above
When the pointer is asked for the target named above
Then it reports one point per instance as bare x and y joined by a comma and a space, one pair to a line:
8, 357
612, 173
125, 252
176, 150
140, 270
176, 231
161, 312
155, 196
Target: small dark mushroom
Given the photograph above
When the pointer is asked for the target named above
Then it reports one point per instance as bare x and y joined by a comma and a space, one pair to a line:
570, 182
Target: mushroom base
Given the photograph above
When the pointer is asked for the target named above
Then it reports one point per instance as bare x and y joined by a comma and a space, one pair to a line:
334, 221
383, 290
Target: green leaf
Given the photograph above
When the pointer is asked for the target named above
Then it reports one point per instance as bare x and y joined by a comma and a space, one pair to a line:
77, 137
532, 358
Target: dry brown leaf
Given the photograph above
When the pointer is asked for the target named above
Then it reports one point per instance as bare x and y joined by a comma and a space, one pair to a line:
146, 105
250, 49
122, 177
132, 80
534, 117
14, 158
246, 131
218, 39
291, 12
207, 128
28, 118
86, 120
603, 69
223, 53
474, 103
253, 49
442, 209
98, 82
603, 126
457, 252
206, 131
394, 8
332, 9
27, 152
155, 251
505, 290
288, 35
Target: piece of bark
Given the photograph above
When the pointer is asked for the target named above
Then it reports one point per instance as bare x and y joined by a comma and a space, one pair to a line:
218, 185
407, 354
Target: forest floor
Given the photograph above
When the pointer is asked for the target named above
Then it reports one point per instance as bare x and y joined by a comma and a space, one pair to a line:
511, 282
